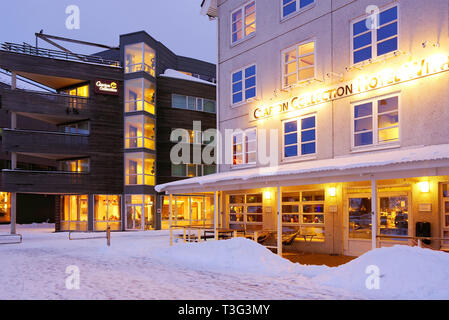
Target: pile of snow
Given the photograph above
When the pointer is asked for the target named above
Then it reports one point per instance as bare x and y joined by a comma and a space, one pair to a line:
237, 255
405, 273
179, 75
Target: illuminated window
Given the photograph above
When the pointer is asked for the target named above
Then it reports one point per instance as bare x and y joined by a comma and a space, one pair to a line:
298, 64
5, 207
244, 84
76, 165
244, 147
140, 57
304, 210
139, 132
140, 169
140, 212
243, 21
74, 213
376, 122
246, 211
369, 41
188, 210
393, 214
292, 6
360, 218
299, 137
107, 212
82, 91
140, 94
193, 103
75, 128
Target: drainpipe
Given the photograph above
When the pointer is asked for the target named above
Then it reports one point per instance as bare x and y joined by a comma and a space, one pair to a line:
374, 215
279, 244
215, 214
169, 219
13, 161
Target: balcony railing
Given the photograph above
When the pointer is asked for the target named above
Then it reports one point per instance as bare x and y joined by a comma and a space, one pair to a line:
55, 54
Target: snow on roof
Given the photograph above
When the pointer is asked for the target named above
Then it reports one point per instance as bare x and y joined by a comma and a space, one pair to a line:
5, 78
340, 164
170, 73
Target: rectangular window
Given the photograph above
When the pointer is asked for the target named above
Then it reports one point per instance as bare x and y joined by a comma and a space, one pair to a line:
140, 94
140, 169
298, 64
243, 22
246, 211
244, 147
5, 207
77, 165
376, 122
299, 137
82, 91
75, 128
139, 132
244, 84
370, 41
191, 170
107, 212
140, 57
74, 213
292, 6
193, 103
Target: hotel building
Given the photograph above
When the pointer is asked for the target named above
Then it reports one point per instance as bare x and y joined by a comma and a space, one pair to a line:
92, 137
350, 97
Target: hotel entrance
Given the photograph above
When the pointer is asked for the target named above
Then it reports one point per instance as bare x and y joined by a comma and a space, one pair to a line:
139, 212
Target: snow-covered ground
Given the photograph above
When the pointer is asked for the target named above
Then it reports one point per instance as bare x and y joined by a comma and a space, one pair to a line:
141, 265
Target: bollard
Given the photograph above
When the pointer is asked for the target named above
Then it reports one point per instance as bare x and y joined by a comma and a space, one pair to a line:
420, 243
108, 235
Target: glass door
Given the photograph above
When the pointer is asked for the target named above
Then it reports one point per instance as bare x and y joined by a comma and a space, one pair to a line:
445, 216
134, 217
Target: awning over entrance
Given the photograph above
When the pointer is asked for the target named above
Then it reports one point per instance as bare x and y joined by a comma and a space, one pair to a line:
400, 163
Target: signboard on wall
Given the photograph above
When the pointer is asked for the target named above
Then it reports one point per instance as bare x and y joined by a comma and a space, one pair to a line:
108, 87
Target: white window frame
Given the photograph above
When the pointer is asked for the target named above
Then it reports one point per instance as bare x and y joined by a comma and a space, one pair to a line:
244, 151
296, 47
374, 41
196, 99
244, 88
243, 29
245, 206
298, 9
300, 156
375, 125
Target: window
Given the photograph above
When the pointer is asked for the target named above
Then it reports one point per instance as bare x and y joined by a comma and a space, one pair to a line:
394, 215
140, 169
188, 210
305, 210
246, 211
192, 170
82, 91
139, 132
244, 22
5, 207
74, 213
291, 6
298, 64
140, 57
368, 43
75, 128
193, 103
360, 218
78, 165
140, 212
140, 95
376, 122
107, 212
244, 84
299, 137
244, 147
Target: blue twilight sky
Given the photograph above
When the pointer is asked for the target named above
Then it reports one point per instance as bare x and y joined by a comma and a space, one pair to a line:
176, 23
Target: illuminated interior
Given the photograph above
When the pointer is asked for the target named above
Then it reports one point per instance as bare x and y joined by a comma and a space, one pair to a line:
139, 132
74, 213
107, 212
188, 210
78, 165
140, 57
81, 91
140, 169
246, 211
140, 95
140, 212
5, 207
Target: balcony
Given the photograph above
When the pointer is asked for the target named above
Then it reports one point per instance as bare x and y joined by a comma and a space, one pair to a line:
52, 107
43, 181
42, 142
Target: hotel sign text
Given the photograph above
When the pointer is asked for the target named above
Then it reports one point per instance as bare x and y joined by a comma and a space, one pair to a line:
106, 87
407, 72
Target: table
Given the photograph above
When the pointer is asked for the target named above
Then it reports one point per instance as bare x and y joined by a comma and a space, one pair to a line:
222, 232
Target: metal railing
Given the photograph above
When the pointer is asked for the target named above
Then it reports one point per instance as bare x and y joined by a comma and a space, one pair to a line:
18, 239
418, 240
55, 54
107, 236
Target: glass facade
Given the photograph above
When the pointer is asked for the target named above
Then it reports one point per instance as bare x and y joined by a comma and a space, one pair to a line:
140, 212
107, 212
74, 213
188, 210
140, 95
140, 169
246, 211
5, 207
139, 132
140, 57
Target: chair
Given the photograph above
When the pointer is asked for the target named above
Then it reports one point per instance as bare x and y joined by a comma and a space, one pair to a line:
289, 238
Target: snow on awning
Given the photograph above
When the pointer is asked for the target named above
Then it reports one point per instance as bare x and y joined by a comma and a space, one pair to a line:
315, 168
170, 73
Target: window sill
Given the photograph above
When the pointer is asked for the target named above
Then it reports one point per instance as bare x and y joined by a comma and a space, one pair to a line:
379, 147
358, 65
252, 35
299, 159
302, 10
243, 166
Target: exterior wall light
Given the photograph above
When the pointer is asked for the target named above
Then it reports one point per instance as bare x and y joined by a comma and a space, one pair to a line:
332, 191
424, 186
267, 195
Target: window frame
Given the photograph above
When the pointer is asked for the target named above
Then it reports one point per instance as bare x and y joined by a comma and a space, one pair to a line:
245, 206
241, 8
244, 151
299, 130
196, 99
375, 123
298, 8
244, 89
374, 41
296, 46
199, 168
